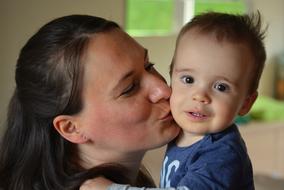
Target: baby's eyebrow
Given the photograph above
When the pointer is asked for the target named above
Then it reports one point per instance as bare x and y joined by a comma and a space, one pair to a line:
226, 79
183, 70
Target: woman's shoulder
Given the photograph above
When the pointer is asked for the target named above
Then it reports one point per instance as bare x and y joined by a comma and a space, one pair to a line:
116, 186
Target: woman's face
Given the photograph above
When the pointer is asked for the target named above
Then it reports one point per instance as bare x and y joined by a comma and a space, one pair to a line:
125, 100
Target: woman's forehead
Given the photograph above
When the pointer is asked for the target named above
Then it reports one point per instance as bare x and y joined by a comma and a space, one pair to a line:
110, 56
114, 44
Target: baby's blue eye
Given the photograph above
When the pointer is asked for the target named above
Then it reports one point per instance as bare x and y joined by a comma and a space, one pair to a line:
187, 79
222, 87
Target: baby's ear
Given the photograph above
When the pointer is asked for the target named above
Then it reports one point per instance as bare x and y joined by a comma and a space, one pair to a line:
248, 103
68, 128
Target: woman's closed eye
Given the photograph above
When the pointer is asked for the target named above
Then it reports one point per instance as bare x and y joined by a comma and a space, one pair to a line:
134, 86
130, 89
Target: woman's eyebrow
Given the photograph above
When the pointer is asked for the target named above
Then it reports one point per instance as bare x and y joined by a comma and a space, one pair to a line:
146, 56
131, 72
123, 78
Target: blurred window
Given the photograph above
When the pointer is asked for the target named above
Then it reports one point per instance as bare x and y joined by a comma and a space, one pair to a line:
166, 17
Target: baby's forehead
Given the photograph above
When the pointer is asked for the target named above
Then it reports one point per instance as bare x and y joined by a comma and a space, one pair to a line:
201, 42
220, 35
196, 33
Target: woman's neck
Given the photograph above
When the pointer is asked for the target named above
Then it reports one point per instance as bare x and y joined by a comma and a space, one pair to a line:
93, 157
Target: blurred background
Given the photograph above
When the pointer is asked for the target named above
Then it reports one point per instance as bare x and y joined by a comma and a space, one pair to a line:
155, 24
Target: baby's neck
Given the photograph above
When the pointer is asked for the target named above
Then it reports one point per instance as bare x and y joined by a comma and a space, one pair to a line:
186, 139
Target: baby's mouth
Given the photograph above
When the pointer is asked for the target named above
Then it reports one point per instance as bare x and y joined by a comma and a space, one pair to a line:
198, 115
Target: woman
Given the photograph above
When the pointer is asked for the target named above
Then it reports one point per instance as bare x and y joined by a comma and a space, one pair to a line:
86, 98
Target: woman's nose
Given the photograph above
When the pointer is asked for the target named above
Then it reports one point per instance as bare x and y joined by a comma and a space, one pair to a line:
158, 89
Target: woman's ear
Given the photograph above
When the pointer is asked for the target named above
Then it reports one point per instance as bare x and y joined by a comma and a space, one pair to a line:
67, 127
248, 103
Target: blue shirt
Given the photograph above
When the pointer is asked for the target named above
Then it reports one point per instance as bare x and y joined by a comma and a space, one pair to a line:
218, 161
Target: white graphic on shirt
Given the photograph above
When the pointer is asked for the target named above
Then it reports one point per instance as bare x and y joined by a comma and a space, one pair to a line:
165, 181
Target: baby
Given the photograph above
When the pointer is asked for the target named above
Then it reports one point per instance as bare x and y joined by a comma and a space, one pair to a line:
215, 73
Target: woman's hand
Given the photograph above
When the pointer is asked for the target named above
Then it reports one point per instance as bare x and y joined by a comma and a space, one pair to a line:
98, 183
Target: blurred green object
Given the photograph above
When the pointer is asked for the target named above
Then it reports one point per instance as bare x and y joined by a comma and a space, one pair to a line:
223, 6
149, 17
242, 119
267, 109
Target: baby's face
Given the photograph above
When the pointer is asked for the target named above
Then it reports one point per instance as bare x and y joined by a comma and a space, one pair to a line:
209, 83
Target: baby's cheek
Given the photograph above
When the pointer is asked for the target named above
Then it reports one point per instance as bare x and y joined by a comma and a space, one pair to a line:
175, 101
227, 112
